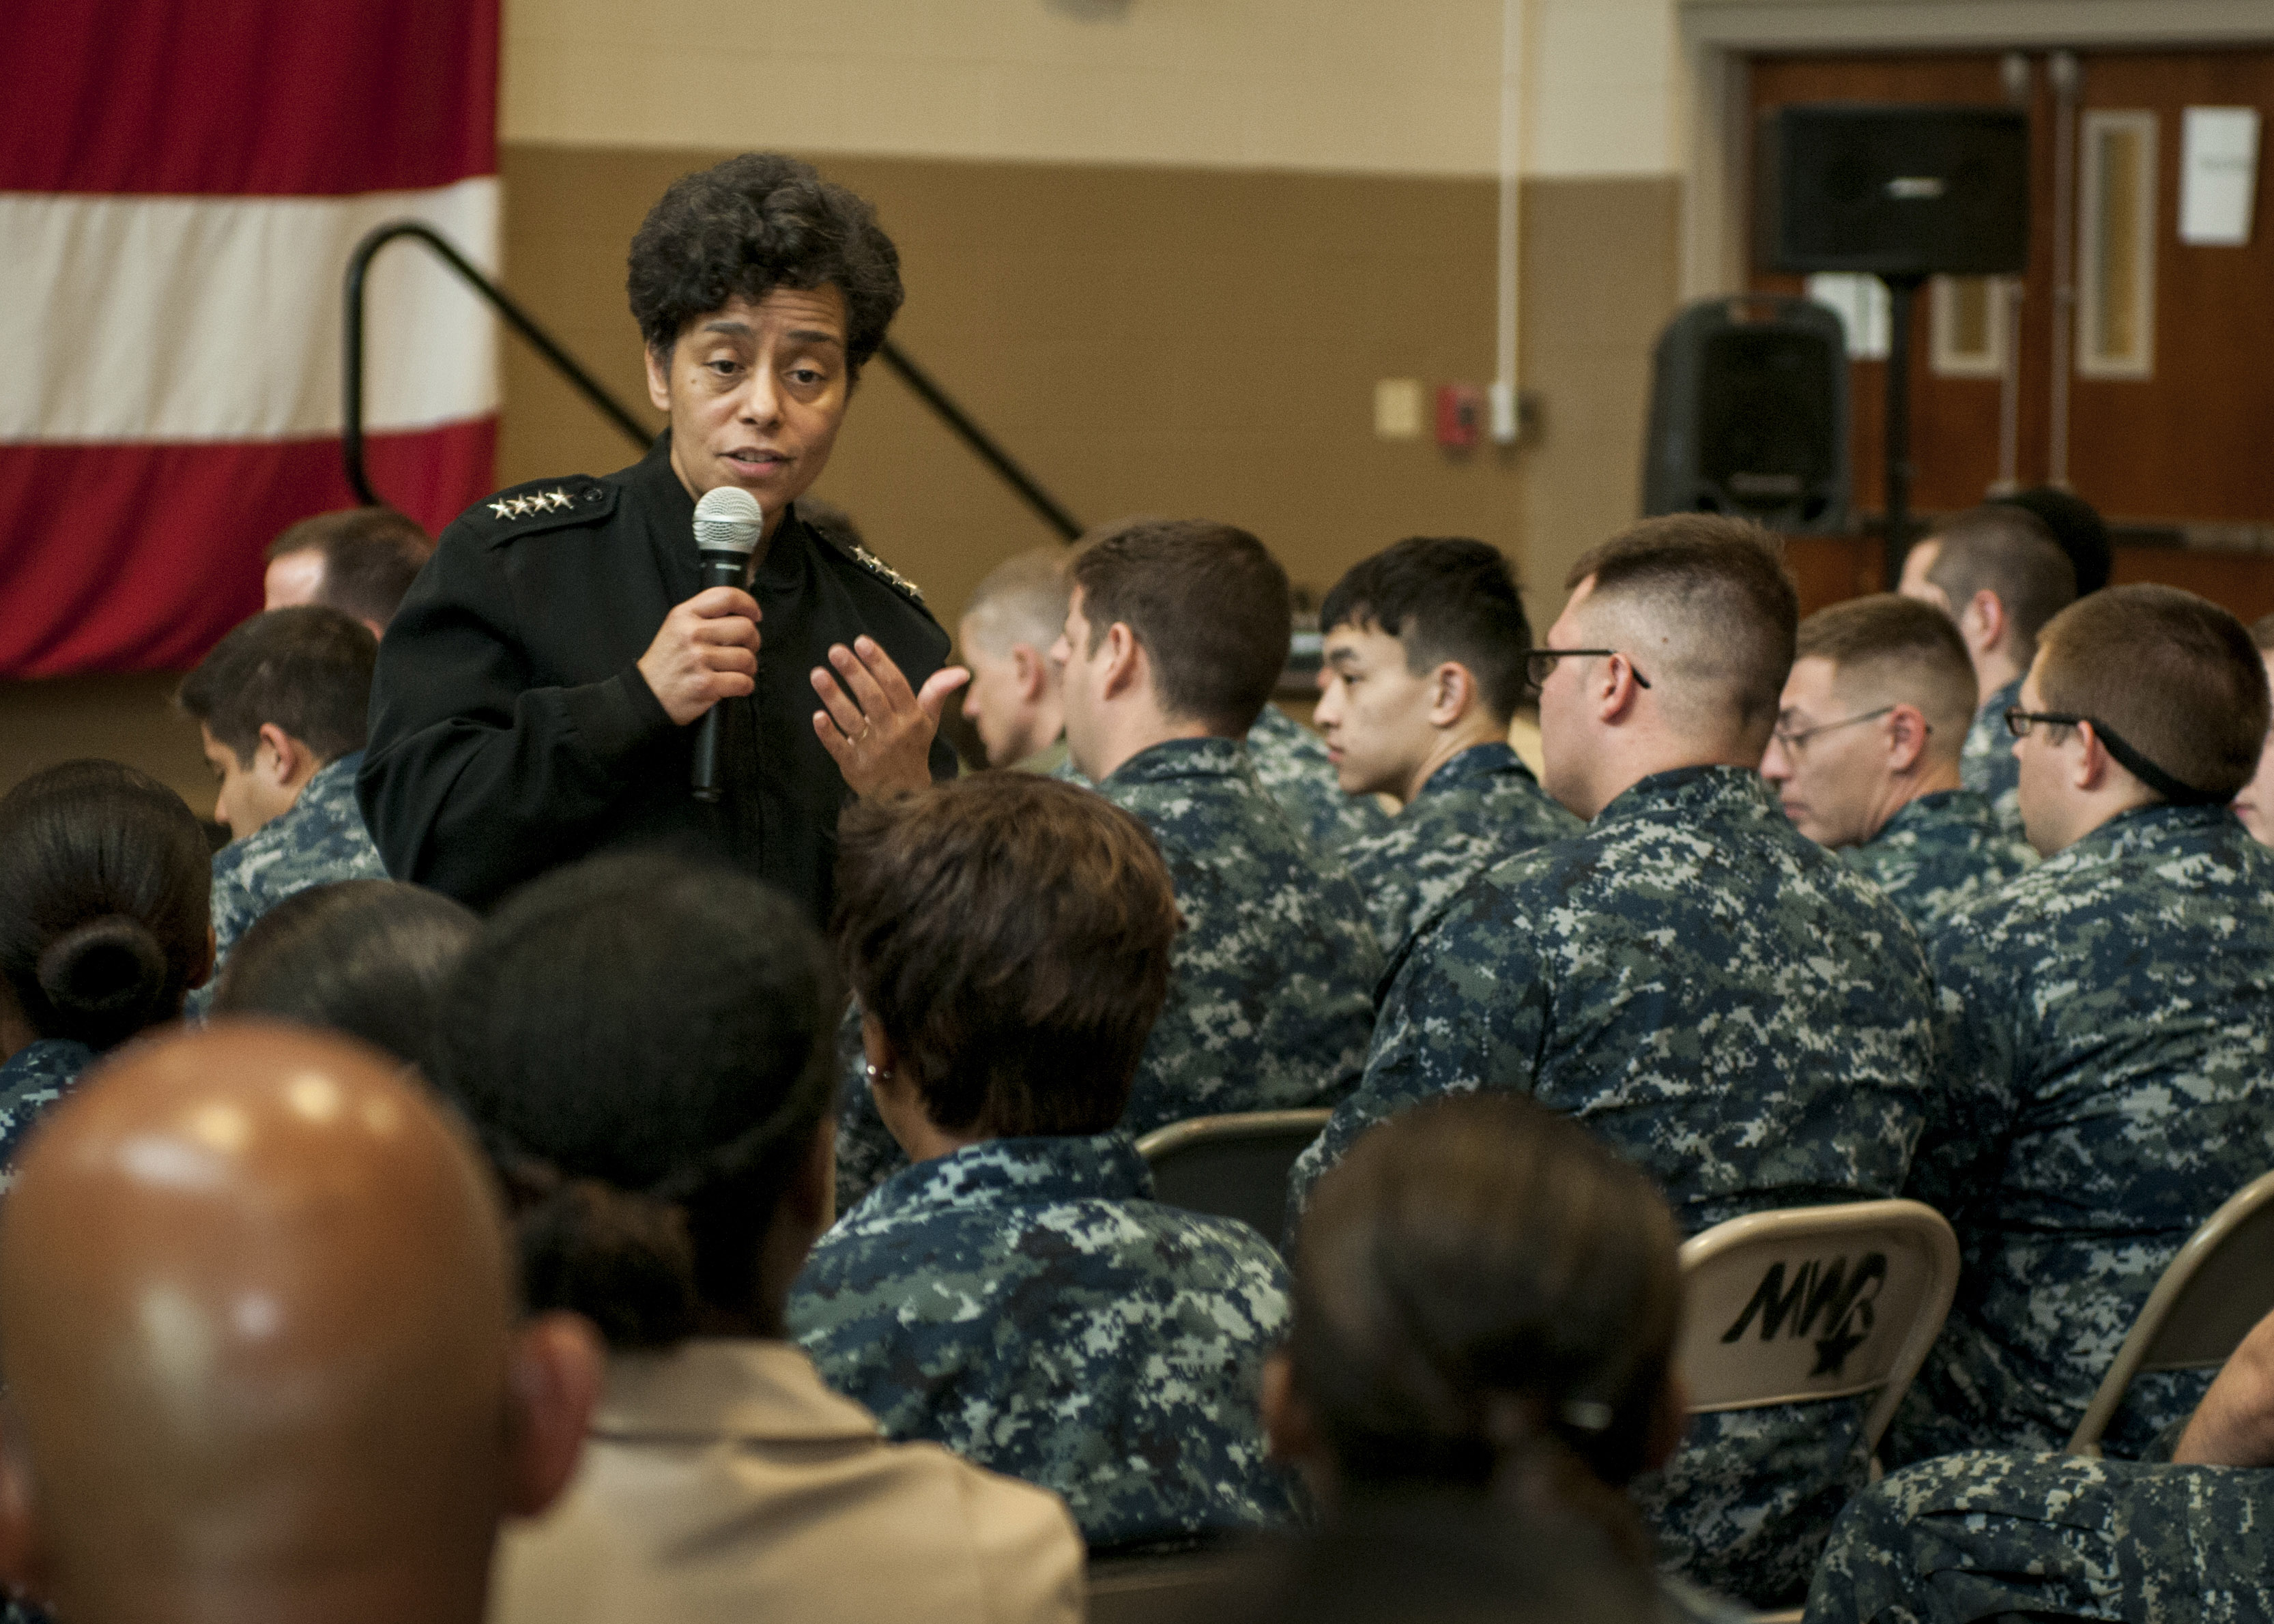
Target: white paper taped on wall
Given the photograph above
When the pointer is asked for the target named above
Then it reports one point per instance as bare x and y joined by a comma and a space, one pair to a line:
2218, 172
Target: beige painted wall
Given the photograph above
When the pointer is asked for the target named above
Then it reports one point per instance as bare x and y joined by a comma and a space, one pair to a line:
1193, 342
1368, 86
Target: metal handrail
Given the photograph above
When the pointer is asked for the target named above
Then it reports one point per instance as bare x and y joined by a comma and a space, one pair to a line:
918, 380
931, 394
518, 318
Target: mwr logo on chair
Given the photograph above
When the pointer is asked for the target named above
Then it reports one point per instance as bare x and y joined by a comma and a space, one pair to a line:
1818, 1293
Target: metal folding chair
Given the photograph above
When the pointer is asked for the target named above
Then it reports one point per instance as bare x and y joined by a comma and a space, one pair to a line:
2220, 1285
1232, 1166
1815, 1303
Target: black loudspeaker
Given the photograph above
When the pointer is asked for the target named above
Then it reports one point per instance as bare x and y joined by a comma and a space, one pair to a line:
1749, 414
1892, 191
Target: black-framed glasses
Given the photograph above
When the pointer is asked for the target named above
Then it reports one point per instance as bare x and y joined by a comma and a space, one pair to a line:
1796, 742
2018, 723
1537, 663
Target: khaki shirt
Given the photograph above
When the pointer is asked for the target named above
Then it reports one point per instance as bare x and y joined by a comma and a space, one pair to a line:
722, 1481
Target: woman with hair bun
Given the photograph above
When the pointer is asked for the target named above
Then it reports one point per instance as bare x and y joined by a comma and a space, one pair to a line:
1485, 1303
105, 924
640, 1042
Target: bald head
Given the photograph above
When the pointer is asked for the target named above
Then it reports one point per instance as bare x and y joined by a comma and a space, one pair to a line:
257, 1321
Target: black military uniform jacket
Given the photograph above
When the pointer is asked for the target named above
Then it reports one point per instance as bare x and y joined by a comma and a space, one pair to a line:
511, 731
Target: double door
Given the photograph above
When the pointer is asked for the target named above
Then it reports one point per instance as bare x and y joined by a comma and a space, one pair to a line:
2134, 361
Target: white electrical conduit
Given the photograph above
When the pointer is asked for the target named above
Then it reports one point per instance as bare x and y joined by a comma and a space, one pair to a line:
1511, 171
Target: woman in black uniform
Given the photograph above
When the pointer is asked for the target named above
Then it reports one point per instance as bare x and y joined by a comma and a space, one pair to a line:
534, 693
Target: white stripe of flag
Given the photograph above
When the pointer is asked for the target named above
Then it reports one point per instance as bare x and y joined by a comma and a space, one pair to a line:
188, 318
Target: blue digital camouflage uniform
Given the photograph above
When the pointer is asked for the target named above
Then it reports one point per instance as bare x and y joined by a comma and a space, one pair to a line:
1987, 764
1027, 1304
1730, 1006
1476, 810
32, 1080
1939, 852
1290, 761
1271, 980
2110, 1086
1978, 1535
318, 840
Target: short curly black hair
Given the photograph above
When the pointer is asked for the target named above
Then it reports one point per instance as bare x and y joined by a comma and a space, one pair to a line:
750, 225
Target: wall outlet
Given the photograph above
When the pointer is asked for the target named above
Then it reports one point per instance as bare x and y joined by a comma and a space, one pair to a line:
1397, 409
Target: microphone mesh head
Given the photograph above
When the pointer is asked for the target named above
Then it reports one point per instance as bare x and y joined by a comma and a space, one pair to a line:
727, 520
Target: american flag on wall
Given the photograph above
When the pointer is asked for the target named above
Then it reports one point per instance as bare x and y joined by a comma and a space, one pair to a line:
181, 183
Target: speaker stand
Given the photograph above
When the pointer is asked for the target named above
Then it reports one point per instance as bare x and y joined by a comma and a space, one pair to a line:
1902, 294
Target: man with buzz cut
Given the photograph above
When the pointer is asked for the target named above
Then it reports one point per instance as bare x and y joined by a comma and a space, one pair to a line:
1176, 631
1866, 755
2108, 1078
1999, 573
1720, 997
280, 705
1010, 621
1424, 654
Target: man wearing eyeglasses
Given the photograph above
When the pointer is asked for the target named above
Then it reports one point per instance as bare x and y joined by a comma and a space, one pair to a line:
1865, 752
2110, 1082
1710, 990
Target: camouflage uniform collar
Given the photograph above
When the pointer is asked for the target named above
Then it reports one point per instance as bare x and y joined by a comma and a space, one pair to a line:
333, 782
1024, 1172
1474, 765
1940, 805
709, 1388
43, 1060
1205, 757
2146, 830
1691, 792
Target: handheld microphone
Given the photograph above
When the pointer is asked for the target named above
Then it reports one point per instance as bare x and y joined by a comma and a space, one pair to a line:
727, 524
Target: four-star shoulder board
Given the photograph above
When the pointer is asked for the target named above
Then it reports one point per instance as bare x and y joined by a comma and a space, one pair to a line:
555, 500
878, 566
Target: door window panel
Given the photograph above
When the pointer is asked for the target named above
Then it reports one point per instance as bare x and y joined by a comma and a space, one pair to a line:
2116, 240
1969, 322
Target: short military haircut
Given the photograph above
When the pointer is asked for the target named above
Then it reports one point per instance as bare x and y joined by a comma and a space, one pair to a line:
753, 224
1022, 599
1716, 588
305, 669
2173, 675
368, 958
371, 557
2006, 550
1207, 603
2262, 632
1445, 598
1011, 936
1890, 650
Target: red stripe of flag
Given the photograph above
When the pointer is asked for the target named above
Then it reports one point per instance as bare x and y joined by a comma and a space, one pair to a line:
148, 554
247, 97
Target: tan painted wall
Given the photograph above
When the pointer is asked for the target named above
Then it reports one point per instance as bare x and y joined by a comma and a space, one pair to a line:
1189, 342
1376, 86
